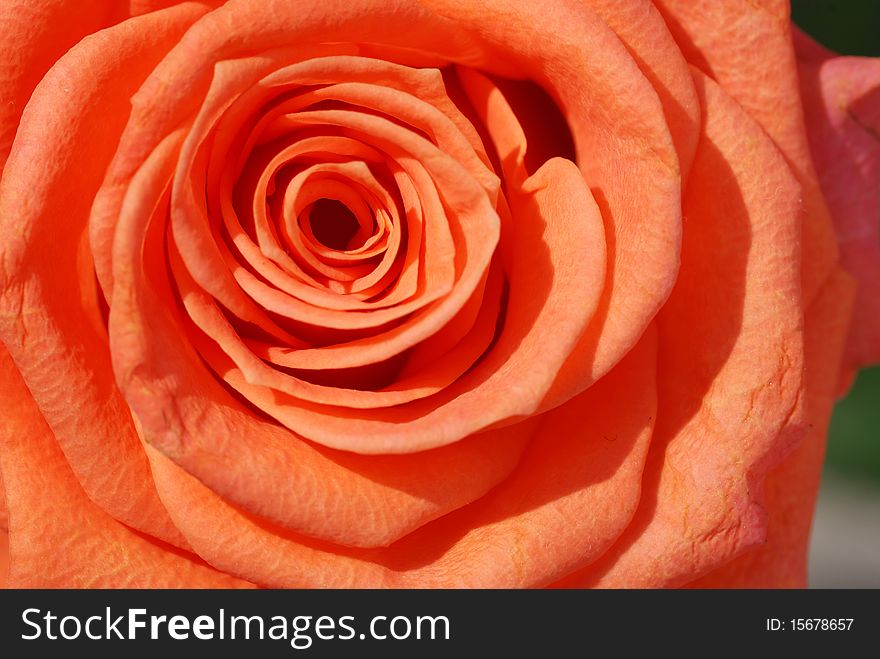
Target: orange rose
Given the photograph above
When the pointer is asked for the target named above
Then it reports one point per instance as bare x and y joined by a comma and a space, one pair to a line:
433, 293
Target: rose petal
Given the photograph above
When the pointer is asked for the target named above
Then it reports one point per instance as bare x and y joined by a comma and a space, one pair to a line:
267, 386
645, 34
842, 109
724, 404
33, 35
791, 488
748, 50
59, 538
49, 311
573, 495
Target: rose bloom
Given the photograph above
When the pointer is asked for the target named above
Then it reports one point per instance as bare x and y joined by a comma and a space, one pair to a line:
426, 293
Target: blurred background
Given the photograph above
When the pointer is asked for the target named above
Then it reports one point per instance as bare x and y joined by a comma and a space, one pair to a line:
845, 551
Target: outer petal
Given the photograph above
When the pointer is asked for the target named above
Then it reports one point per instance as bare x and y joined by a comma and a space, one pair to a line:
575, 492
730, 361
49, 312
746, 47
59, 538
34, 34
791, 488
842, 108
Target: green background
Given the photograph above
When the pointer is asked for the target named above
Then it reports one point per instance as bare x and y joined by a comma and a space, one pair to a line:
850, 27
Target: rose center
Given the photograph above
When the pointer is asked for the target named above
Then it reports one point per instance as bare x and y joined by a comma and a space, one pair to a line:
333, 224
